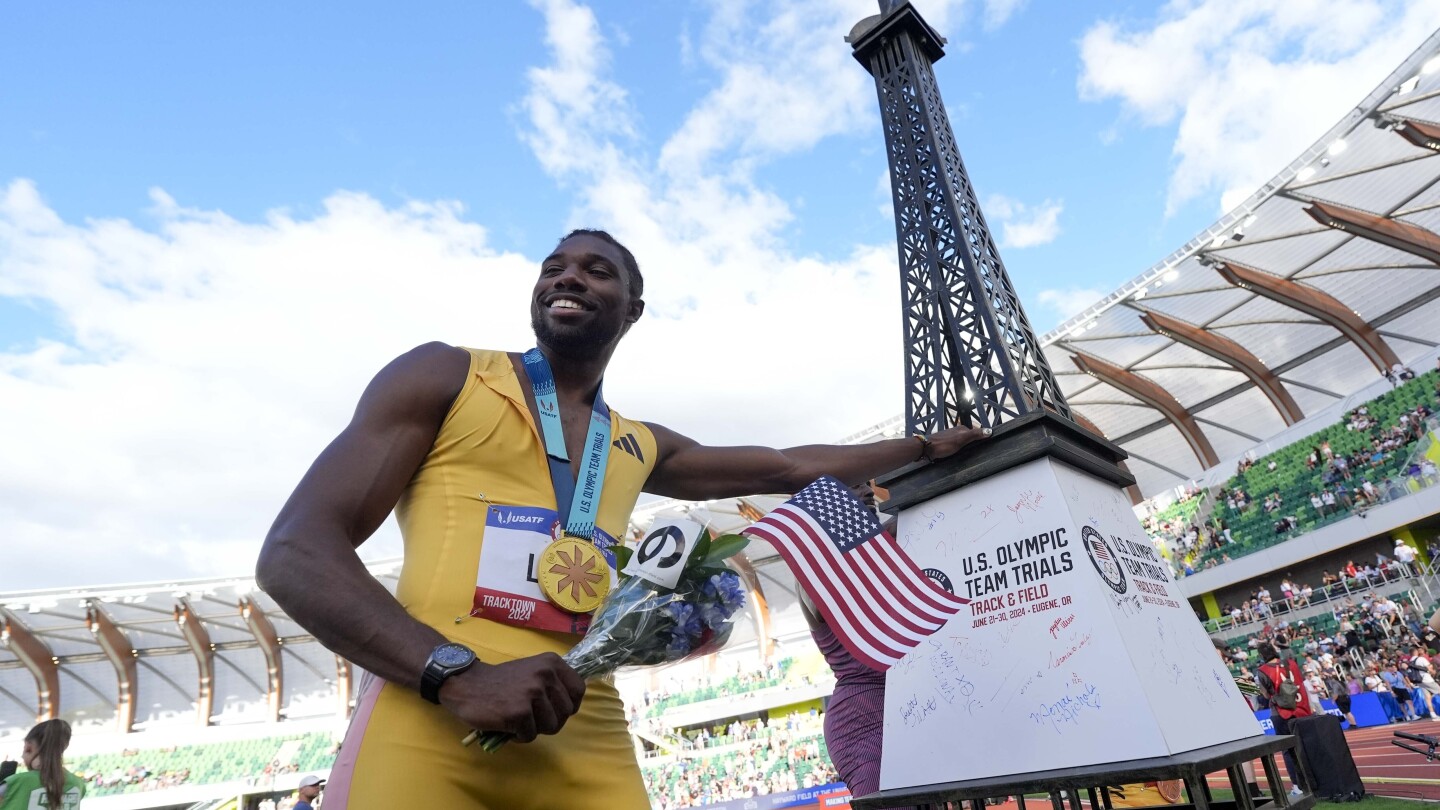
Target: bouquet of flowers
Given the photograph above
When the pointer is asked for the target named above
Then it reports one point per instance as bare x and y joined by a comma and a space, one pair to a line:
641, 623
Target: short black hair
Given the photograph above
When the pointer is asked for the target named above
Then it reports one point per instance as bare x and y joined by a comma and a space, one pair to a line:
1266, 651
632, 268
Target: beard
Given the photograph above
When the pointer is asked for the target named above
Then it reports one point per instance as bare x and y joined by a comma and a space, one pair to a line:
582, 342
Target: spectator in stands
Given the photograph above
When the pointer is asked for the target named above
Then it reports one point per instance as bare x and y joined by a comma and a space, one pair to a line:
310, 787
1315, 688
1430, 640
1421, 673
1372, 494
1387, 699
46, 783
1393, 489
1400, 688
1280, 684
1405, 554
1338, 691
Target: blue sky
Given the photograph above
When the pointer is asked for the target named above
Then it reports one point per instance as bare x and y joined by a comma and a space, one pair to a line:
249, 109
216, 221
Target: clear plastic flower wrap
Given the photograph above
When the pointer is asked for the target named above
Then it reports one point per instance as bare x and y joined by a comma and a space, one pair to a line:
641, 623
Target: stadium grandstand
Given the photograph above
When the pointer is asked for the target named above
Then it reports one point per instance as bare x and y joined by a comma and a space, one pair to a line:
1273, 382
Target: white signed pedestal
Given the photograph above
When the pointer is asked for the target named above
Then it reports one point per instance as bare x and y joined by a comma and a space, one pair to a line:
1076, 649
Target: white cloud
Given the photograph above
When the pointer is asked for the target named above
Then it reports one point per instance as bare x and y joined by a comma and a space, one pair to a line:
783, 85
206, 360
1069, 301
1023, 226
211, 359
999, 12
1249, 85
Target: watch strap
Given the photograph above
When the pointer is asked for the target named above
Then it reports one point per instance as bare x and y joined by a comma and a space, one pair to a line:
435, 673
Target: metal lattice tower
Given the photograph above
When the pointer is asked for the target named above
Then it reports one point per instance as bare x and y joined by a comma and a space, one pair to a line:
970, 354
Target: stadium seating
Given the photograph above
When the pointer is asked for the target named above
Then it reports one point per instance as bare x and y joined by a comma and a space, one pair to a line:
729, 767
730, 686
215, 763
1253, 528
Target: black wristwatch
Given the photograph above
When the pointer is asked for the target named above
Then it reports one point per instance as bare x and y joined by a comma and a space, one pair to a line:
446, 660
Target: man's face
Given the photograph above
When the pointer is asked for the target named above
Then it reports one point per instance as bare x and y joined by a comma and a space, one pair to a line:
309, 793
582, 302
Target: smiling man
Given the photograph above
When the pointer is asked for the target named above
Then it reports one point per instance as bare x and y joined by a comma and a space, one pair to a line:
488, 458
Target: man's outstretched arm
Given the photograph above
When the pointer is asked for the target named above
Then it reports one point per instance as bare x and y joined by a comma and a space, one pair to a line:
309, 567
686, 469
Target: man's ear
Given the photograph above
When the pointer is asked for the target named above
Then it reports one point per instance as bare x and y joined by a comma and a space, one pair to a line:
637, 308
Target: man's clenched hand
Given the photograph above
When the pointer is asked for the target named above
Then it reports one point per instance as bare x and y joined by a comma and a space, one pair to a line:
526, 697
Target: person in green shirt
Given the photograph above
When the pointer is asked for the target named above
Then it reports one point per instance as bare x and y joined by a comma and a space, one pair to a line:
47, 784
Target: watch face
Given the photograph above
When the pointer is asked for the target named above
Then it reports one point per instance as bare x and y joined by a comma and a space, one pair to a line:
452, 655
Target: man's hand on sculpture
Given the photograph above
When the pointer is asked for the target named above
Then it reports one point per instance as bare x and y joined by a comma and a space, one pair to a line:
526, 697
950, 441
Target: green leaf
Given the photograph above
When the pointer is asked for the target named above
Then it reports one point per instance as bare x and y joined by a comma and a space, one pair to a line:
725, 547
702, 546
700, 573
622, 557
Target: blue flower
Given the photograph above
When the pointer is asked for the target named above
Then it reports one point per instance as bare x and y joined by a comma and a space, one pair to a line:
687, 619
725, 588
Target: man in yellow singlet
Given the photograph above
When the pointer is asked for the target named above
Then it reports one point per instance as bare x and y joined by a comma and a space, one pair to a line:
466, 446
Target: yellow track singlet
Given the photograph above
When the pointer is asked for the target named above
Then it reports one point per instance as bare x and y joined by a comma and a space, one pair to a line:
400, 748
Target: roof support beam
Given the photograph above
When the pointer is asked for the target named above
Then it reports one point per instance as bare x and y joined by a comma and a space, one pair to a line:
1315, 303
35, 655
763, 633
1421, 133
344, 685
1419, 301
765, 636
197, 638
1228, 351
269, 641
1134, 489
1395, 233
121, 655
1157, 398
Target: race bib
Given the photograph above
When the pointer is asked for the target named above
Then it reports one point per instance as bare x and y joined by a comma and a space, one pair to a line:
507, 585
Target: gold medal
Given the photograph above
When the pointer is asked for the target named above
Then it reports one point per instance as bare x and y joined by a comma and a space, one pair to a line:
574, 574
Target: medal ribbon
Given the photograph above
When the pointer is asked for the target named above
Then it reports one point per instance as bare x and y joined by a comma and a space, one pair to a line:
577, 500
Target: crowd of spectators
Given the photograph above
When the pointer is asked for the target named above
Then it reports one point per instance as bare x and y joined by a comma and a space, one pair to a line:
1378, 645
739, 680
1375, 470
1263, 606
135, 777
742, 759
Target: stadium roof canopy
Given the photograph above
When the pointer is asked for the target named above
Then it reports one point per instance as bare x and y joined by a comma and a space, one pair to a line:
144, 656
1290, 303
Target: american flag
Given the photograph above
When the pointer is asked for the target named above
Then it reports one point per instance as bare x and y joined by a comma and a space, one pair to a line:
873, 596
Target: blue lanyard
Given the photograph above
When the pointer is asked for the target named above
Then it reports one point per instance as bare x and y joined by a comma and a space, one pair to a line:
578, 505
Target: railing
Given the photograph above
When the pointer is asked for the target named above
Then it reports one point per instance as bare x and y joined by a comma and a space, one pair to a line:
1321, 599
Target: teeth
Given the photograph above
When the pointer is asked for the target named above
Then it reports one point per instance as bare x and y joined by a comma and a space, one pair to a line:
564, 303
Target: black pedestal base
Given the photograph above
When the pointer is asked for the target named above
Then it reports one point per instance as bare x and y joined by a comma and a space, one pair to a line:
1068, 784
1033, 436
